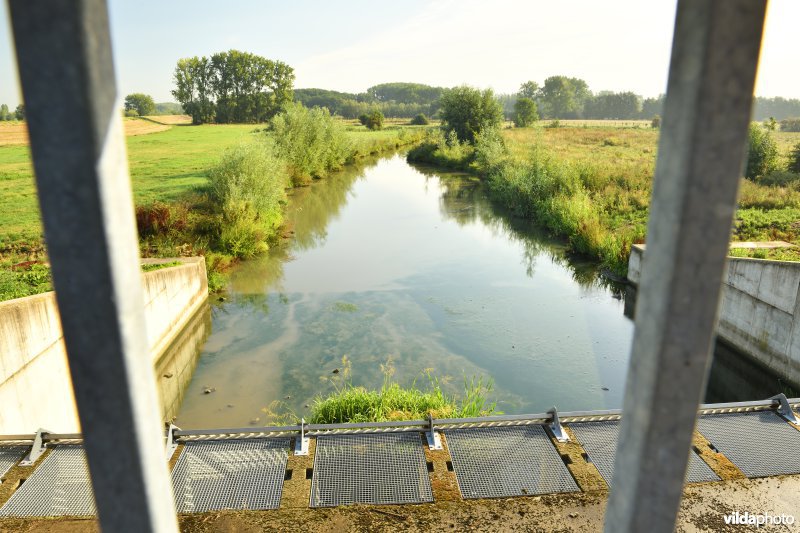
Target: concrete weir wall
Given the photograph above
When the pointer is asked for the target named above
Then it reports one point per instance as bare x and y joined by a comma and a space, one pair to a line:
760, 310
35, 386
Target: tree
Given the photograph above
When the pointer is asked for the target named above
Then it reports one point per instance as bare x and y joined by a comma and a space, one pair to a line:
529, 89
372, 120
564, 97
5, 114
762, 153
468, 111
232, 86
612, 105
19, 112
525, 113
143, 104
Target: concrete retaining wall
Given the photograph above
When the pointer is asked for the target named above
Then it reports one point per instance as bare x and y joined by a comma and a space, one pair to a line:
760, 310
35, 387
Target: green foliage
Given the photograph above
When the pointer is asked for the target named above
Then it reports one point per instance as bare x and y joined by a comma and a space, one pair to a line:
143, 104
468, 111
655, 122
372, 120
564, 97
22, 281
351, 404
397, 100
19, 112
5, 114
762, 153
232, 87
529, 89
168, 108
248, 189
312, 142
420, 120
770, 124
525, 113
610, 105
790, 124
131, 113
443, 150
780, 178
794, 159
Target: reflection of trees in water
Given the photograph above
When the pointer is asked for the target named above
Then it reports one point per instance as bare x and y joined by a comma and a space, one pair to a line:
312, 208
465, 199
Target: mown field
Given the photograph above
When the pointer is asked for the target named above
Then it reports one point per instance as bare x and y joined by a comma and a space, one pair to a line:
169, 165
591, 183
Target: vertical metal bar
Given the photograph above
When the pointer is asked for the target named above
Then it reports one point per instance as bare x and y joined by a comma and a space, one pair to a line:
712, 72
73, 113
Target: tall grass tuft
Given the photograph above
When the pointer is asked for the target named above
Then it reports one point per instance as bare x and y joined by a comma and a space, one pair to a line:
351, 404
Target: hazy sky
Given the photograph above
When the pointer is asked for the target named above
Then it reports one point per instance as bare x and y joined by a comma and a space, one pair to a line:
351, 45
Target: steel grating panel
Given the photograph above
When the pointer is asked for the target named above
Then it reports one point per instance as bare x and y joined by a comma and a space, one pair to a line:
760, 444
9, 455
59, 486
386, 468
232, 474
511, 461
599, 439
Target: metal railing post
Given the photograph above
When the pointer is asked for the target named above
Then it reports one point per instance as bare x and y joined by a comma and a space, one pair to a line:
701, 150
73, 113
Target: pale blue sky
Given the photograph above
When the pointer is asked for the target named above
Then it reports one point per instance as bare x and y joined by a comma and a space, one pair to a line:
351, 45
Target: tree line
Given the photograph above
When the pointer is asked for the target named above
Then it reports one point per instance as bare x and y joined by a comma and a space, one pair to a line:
394, 100
7, 114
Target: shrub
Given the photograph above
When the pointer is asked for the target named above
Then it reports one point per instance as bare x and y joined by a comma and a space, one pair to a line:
248, 189
656, 121
131, 113
159, 218
762, 153
420, 120
780, 179
312, 142
372, 120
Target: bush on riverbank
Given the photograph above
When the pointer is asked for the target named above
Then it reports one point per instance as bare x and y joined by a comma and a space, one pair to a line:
596, 194
311, 141
248, 188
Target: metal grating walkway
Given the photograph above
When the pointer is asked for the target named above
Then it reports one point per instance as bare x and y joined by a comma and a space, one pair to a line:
760, 444
58, 487
232, 474
599, 439
9, 455
384, 468
504, 462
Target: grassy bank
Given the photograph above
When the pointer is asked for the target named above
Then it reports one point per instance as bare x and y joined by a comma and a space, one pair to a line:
177, 212
592, 184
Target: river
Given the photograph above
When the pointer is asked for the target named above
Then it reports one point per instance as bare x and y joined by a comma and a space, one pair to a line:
392, 268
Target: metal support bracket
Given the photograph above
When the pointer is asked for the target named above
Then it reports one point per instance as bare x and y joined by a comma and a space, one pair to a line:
172, 444
37, 449
434, 441
784, 409
301, 441
556, 427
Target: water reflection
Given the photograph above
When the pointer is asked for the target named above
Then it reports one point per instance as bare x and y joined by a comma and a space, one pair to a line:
390, 261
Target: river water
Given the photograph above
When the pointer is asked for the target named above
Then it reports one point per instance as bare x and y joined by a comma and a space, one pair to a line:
401, 269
